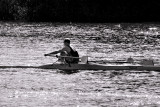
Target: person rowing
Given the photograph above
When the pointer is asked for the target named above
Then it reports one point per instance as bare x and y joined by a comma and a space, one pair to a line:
66, 51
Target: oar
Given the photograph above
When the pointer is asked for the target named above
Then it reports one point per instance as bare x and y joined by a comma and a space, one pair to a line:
110, 61
65, 56
129, 60
146, 62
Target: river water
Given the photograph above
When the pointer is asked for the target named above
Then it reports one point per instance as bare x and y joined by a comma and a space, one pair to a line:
26, 43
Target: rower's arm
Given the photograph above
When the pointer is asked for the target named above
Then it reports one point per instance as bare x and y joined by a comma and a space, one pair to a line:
55, 52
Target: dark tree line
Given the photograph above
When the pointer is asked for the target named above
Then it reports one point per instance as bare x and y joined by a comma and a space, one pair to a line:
79, 10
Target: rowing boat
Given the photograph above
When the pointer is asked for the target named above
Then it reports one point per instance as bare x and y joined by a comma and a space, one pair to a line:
86, 65
91, 66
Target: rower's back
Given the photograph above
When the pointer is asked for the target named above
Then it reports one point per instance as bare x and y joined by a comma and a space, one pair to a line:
71, 52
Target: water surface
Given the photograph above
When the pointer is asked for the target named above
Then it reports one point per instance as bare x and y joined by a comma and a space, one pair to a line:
26, 44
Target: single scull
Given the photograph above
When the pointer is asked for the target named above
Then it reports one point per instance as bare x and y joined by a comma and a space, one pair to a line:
87, 65
90, 66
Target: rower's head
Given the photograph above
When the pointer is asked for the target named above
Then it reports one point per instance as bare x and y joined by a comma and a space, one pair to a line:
66, 42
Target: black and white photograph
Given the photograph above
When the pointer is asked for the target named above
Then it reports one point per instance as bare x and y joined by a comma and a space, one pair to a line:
79, 53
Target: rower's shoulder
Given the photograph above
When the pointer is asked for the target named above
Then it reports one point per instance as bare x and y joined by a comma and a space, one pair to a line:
66, 48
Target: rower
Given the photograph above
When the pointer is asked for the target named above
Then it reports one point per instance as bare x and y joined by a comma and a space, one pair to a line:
66, 51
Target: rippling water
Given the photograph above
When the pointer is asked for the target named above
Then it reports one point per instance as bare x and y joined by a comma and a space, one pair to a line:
26, 43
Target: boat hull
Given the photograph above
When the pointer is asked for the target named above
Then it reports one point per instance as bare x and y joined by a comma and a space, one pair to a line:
90, 66
99, 67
